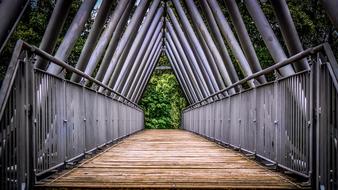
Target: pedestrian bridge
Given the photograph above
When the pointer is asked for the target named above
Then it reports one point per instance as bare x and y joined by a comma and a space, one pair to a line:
86, 131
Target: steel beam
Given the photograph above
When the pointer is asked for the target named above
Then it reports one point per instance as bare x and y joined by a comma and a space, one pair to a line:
228, 73
53, 30
209, 67
181, 70
110, 35
289, 32
244, 38
331, 10
219, 25
137, 66
126, 40
204, 83
147, 60
179, 78
143, 65
93, 37
10, 14
153, 62
72, 34
268, 36
172, 38
139, 45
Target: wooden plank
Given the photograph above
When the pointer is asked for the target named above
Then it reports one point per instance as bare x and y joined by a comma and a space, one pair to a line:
169, 159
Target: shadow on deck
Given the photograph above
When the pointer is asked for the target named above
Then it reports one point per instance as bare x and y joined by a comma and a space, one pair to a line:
168, 159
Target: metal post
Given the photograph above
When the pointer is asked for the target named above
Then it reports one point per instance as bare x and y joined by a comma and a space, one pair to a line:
268, 36
126, 40
289, 32
147, 60
179, 77
204, 83
175, 56
144, 64
228, 73
210, 67
137, 66
224, 27
244, 38
53, 30
153, 62
72, 34
110, 35
176, 45
143, 37
92, 38
331, 10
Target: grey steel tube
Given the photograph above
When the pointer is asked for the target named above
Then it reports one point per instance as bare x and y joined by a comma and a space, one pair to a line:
143, 37
172, 38
179, 65
147, 61
268, 36
331, 10
229, 75
110, 35
149, 72
244, 38
10, 13
72, 34
148, 43
215, 77
179, 78
53, 30
223, 27
93, 37
126, 39
204, 83
289, 32
143, 65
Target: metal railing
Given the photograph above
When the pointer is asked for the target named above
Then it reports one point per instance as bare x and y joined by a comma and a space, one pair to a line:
48, 122
290, 122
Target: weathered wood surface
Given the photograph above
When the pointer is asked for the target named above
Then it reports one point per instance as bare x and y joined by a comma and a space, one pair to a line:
169, 159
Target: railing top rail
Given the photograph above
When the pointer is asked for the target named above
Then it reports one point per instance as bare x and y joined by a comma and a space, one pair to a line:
292, 59
45, 55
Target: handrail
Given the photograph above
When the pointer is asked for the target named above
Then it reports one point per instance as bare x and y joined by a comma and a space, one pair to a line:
63, 64
296, 57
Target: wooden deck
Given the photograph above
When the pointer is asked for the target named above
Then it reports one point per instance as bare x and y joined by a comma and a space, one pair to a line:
169, 159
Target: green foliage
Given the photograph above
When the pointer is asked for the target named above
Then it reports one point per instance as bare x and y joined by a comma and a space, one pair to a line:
163, 100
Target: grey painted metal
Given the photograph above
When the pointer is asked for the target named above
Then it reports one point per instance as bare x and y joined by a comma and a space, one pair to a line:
163, 67
30, 98
244, 38
331, 10
53, 30
205, 84
268, 36
219, 25
179, 77
151, 70
138, 65
10, 12
110, 38
73, 32
229, 75
139, 45
289, 32
177, 61
210, 68
146, 70
172, 38
126, 39
93, 37
143, 65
